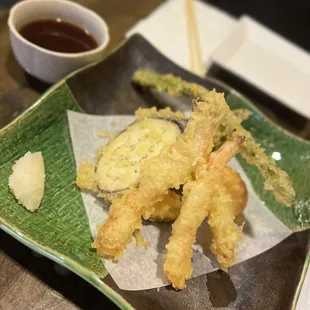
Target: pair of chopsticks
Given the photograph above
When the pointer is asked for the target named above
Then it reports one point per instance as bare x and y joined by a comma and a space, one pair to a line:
193, 39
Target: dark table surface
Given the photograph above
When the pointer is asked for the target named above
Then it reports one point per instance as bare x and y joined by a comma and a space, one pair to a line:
288, 18
30, 281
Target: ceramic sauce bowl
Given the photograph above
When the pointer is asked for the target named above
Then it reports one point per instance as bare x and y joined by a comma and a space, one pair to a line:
47, 65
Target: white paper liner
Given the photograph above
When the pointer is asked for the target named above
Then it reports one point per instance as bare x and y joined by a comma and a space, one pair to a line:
141, 268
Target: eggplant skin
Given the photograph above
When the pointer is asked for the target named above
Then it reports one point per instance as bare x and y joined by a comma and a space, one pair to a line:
180, 123
167, 114
116, 167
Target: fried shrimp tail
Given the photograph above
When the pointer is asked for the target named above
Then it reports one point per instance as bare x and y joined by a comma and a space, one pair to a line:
202, 197
170, 169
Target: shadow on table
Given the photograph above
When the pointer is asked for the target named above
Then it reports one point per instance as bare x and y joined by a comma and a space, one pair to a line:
14, 69
6, 4
73, 288
15, 100
273, 275
22, 77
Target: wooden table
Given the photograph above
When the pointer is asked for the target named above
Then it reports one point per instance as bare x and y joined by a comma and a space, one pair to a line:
29, 281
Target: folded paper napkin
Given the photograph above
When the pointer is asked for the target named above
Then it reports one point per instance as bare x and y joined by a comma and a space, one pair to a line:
166, 29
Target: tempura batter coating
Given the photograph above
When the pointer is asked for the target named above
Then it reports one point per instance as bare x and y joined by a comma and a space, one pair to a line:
116, 167
205, 196
116, 232
276, 179
236, 188
226, 234
206, 192
171, 168
86, 176
163, 113
140, 242
169, 208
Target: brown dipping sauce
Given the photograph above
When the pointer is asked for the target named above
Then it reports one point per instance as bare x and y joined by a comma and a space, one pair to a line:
58, 36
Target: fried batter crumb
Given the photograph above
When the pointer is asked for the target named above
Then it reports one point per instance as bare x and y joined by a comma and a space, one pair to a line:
85, 175
102, 133
153, 112
140, 241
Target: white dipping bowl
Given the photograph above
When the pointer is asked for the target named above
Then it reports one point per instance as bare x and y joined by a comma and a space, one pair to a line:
47, 65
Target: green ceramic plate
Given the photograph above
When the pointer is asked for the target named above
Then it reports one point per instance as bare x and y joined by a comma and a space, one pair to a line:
59, 230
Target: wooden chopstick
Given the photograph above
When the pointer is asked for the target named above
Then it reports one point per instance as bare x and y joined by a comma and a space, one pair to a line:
193, 39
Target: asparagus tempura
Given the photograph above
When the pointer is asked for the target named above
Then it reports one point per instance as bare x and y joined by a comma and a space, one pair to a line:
276, 179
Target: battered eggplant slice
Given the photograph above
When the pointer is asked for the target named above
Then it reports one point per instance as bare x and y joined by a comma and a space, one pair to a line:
172, 167
117, 165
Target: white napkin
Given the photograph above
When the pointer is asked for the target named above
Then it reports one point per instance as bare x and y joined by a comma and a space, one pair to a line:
166, 29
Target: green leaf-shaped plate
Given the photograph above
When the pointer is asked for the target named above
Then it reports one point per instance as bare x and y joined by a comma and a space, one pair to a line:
59, 230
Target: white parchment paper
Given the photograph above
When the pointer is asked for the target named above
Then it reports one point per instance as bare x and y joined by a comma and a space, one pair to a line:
142, 268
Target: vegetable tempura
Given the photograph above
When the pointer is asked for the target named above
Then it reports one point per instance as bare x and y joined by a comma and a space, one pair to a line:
179, 175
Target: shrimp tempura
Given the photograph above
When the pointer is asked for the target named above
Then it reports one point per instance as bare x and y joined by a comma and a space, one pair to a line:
171, 168
169, 208
204, 196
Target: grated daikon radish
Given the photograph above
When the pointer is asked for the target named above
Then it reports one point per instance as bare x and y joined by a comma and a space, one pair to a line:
27, 180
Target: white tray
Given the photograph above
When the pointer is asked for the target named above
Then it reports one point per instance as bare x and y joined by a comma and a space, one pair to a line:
269, 62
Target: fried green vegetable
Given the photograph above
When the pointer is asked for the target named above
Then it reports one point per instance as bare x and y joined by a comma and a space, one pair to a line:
175, 86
